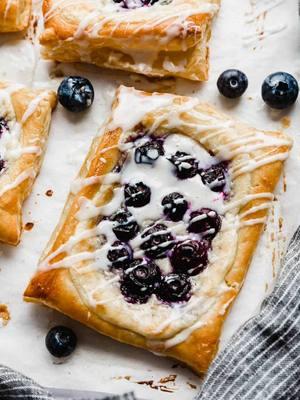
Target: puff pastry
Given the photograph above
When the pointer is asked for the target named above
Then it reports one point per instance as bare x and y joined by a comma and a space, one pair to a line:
168, 38
24, 124
170, 300
14, 15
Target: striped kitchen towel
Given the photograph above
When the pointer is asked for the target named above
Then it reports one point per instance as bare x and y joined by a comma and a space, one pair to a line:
14, 385
262, 360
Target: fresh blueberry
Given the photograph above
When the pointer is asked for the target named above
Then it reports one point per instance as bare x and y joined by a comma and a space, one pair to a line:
186, 166
61, 341
137, 195
140, 280
3, 125
214, 177
174, 287
76, 94
174, 206
232, 83
189, 257
158, 241
125, 227
206, 222
280, 90
148, 152
120, 255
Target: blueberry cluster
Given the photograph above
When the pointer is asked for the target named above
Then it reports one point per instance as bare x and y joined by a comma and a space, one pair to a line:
132, 4
3, 127
140, 278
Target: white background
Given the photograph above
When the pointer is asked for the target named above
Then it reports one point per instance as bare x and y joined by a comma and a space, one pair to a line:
244, 37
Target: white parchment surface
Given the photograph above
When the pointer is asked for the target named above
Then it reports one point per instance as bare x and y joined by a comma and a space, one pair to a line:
256, 36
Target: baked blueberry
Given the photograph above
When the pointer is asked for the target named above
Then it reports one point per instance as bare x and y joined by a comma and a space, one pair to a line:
120, 255
206, 222
280, 90
137, 195
174, 206
3, 125
214, 177
131, 4
125, 227
174, 287
140, 280
159, 241
189, 257
232, 83
61, 341
75, 93
148, 152
186, 166
2, 164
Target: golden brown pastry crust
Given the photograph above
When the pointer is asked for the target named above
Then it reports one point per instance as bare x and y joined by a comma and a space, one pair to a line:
164, 40
14, 15
61, 287
16, 181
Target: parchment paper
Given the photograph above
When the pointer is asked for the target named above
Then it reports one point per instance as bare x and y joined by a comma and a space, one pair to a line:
256, 36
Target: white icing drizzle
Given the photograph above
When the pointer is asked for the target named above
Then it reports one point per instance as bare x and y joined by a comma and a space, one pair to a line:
29, 173
81, 183
185, 333
264, 7
252, 38
9, 3
32, 106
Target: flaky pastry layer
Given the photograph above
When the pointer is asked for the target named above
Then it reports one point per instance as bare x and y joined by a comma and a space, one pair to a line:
14, 15
162, 40
65, 282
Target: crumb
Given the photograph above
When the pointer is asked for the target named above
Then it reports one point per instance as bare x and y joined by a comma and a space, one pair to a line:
49, 193
284, 181
266, 287
250, 98
169, 378
156, 386
191, 385
285, 122
4, 315
126, 377
28, 226
280, 223
152, 385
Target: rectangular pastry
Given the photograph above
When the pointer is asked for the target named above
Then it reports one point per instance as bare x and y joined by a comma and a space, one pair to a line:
25, 116
159, 228
151, 37
14, 15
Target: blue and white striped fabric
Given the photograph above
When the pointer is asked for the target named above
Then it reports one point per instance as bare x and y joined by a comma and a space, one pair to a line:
262, 360
14, 386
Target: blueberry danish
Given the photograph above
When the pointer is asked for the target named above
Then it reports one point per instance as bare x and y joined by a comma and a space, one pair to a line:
154, 243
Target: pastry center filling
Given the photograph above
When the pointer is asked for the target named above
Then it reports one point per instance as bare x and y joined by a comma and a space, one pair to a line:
162, 219
4, 130
132, 4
